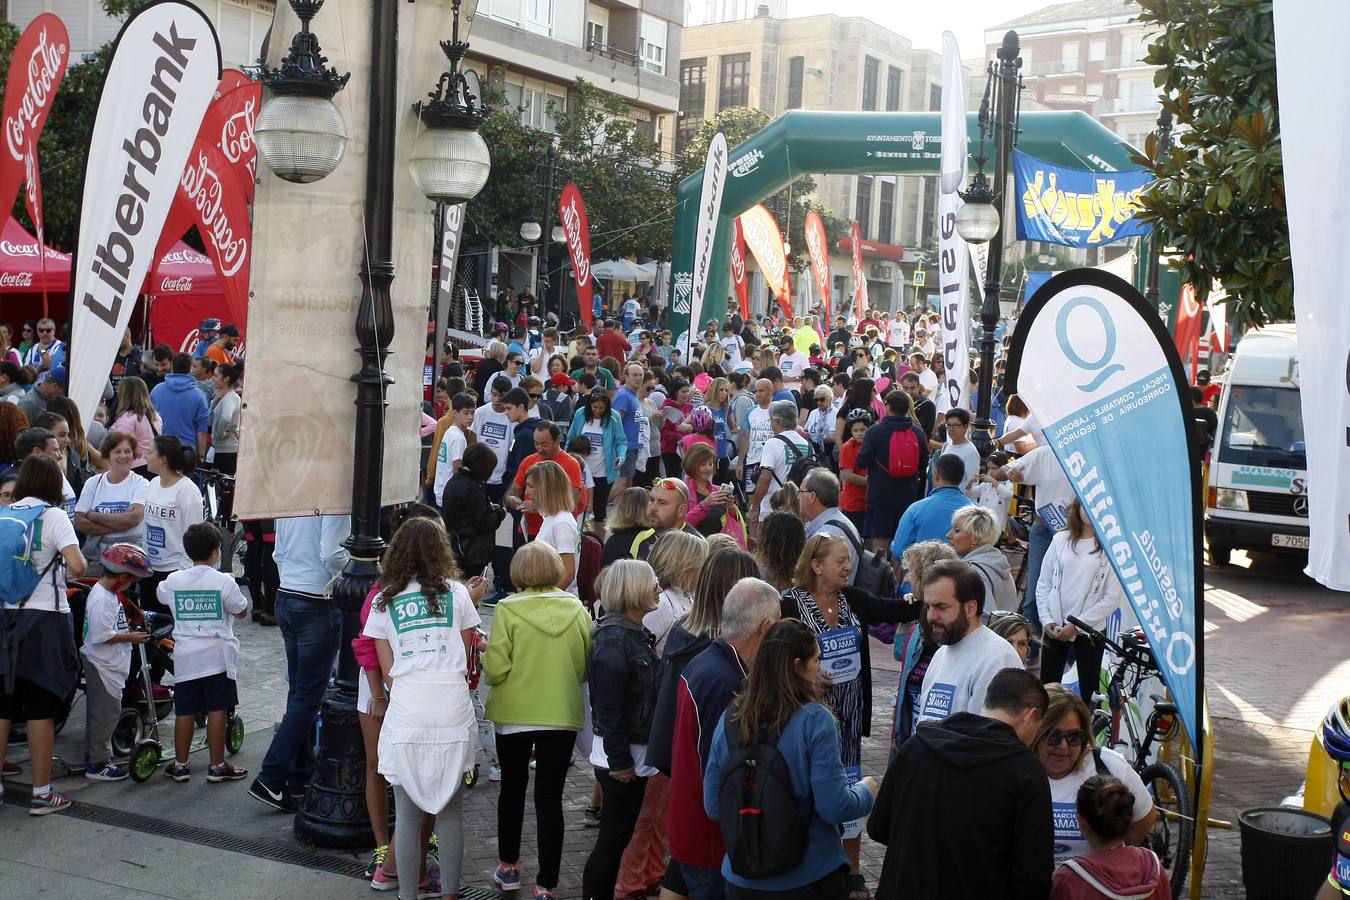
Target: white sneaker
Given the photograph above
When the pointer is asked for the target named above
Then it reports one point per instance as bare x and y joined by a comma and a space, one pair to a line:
494, 773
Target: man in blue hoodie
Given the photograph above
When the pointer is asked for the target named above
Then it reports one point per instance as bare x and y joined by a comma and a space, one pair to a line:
181, 405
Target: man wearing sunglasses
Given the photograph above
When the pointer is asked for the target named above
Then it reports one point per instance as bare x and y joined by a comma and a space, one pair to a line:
48, 349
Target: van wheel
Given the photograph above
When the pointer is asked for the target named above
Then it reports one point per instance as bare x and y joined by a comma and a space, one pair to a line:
1220, 554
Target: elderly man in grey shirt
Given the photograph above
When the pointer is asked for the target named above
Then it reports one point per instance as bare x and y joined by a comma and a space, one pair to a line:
819, 502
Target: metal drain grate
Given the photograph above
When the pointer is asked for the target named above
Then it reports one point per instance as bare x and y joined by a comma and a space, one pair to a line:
295, 856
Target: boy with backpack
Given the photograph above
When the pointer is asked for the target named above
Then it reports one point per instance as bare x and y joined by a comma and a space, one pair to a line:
786, 453
205, 601
894, 452
107, 655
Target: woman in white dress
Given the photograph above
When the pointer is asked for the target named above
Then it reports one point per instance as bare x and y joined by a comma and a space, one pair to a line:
423, 624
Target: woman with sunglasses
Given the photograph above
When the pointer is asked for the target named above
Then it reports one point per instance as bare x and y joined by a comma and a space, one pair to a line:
1064, 746
27, 337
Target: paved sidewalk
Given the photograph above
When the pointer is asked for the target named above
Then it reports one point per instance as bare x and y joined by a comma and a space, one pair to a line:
1275, 656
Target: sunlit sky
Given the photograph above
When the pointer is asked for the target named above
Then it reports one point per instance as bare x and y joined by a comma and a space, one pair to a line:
923, 21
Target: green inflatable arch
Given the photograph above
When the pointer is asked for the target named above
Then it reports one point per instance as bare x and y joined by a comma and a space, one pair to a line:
808, 142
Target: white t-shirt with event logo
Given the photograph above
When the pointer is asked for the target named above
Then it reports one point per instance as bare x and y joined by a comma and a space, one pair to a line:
732, 345
899, 333
423, 641
451, 451
1069, 839
959, 675
757, 423
204, 601
792, 365
52, 533
99, 494
494, 429
1042, 471
595, 457
775, 459
104, 618
169, 512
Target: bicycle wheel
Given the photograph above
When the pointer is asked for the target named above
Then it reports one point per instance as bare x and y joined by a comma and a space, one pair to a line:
1173, 833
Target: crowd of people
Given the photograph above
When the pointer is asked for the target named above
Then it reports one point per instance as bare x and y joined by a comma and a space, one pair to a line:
671, 568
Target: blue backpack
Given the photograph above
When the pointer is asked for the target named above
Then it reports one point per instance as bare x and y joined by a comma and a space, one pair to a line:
19, 577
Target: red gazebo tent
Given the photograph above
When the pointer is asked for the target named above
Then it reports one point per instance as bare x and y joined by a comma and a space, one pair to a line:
181, 291
25, 276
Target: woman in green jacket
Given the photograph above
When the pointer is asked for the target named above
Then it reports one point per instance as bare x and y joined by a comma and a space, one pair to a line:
536, 664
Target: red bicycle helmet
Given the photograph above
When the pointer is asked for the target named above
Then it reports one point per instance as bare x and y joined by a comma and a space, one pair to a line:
127, 559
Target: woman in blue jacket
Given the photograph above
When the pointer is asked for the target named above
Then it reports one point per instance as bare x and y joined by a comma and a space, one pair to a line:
782, 698
603, 429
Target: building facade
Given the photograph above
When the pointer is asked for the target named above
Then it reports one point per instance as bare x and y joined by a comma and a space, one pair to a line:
825, 62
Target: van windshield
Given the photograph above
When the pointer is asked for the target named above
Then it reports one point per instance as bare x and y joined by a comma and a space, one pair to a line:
1263, 427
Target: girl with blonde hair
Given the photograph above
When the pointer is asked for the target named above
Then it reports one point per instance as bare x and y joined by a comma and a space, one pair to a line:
551, 490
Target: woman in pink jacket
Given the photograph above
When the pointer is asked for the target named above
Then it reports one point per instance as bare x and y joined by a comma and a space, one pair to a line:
136, 415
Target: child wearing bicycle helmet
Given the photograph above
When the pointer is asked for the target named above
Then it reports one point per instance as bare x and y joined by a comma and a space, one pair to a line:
853, 480
1336, 740
701, 426
107, 656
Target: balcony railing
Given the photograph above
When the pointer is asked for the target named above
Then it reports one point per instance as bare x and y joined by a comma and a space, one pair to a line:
1118, 106
618, 54
1055, 67
1125, 61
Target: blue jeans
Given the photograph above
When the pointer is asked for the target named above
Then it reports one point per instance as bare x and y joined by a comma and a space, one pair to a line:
703, 884
312, 632
1037, 543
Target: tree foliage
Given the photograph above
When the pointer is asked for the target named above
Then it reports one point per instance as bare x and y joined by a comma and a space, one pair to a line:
789, 206
1219, 195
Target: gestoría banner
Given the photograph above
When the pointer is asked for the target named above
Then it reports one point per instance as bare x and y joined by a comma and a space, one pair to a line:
709, 205
817, 246
739, 277
1075, 207
572, 211
35, 73
1314, 147
163, 71
1097, 367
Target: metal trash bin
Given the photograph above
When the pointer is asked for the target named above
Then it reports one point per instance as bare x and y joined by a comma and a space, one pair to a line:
1286, 852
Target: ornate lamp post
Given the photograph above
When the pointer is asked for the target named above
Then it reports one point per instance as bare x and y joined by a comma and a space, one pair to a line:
303, 142
979, 222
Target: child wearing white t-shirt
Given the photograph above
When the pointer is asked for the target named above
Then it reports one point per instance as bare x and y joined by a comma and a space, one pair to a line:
205, 602
107, 655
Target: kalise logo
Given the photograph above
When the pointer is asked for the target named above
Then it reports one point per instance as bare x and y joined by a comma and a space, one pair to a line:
46, 65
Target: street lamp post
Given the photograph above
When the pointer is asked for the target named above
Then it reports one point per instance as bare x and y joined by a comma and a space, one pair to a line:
979, 220
1154, 251
449, 163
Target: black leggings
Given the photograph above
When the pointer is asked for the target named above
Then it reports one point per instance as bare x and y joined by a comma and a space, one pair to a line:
552, 754
671, 461
1088, 654
600, 498
618, 818
259, 566
227, 463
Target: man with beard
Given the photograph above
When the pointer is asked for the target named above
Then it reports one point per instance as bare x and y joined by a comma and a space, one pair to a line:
970, 654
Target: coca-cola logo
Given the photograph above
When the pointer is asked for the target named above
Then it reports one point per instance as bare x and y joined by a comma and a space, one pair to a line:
9, 248
236, 135
180, 257
203, 188
182, 284
737, 265
572, 226
16, 279
46, 65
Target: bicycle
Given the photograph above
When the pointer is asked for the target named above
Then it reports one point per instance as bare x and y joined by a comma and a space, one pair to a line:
217, 487
1172, 837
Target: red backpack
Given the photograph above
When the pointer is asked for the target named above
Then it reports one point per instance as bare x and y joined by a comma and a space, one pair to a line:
588, 568
903, 459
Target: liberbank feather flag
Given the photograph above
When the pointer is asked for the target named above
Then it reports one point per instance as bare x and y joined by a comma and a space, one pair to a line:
163, 72
705, 234
952, 250
1315, 146
1094, 363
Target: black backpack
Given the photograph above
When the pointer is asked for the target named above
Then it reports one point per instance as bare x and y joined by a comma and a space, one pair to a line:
875, 574
800, 461
764, 830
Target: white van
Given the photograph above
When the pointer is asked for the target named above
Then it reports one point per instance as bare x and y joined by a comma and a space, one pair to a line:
1257, 494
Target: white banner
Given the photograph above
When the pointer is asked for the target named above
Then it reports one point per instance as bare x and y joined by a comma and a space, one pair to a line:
709, 206
1315, 142
452, 229
161, 78
952, 250
297, 433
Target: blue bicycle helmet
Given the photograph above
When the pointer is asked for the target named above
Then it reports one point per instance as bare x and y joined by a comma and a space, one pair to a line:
1336, 731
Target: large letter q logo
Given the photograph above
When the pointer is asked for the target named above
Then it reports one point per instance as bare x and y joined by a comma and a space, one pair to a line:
1103, 366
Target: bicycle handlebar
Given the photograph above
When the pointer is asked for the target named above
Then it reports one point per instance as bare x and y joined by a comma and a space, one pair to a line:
1093, 633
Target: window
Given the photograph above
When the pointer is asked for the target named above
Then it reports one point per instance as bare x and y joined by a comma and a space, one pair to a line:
930, 198
871, 72
886, 212
1094, 89
894, 83
796, 71
533, 105
935, 97
654, 45
693, 92
595, 35
539, 17
1134, 48
733, 86
1096, 50
1068, 57
862, 209
1025, 54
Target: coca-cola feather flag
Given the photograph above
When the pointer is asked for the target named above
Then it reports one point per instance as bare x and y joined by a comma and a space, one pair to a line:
572, 210
738, 273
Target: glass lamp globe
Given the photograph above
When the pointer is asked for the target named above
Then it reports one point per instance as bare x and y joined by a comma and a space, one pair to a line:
977, 222
559, 236
450, 165
301, 138
530, 232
